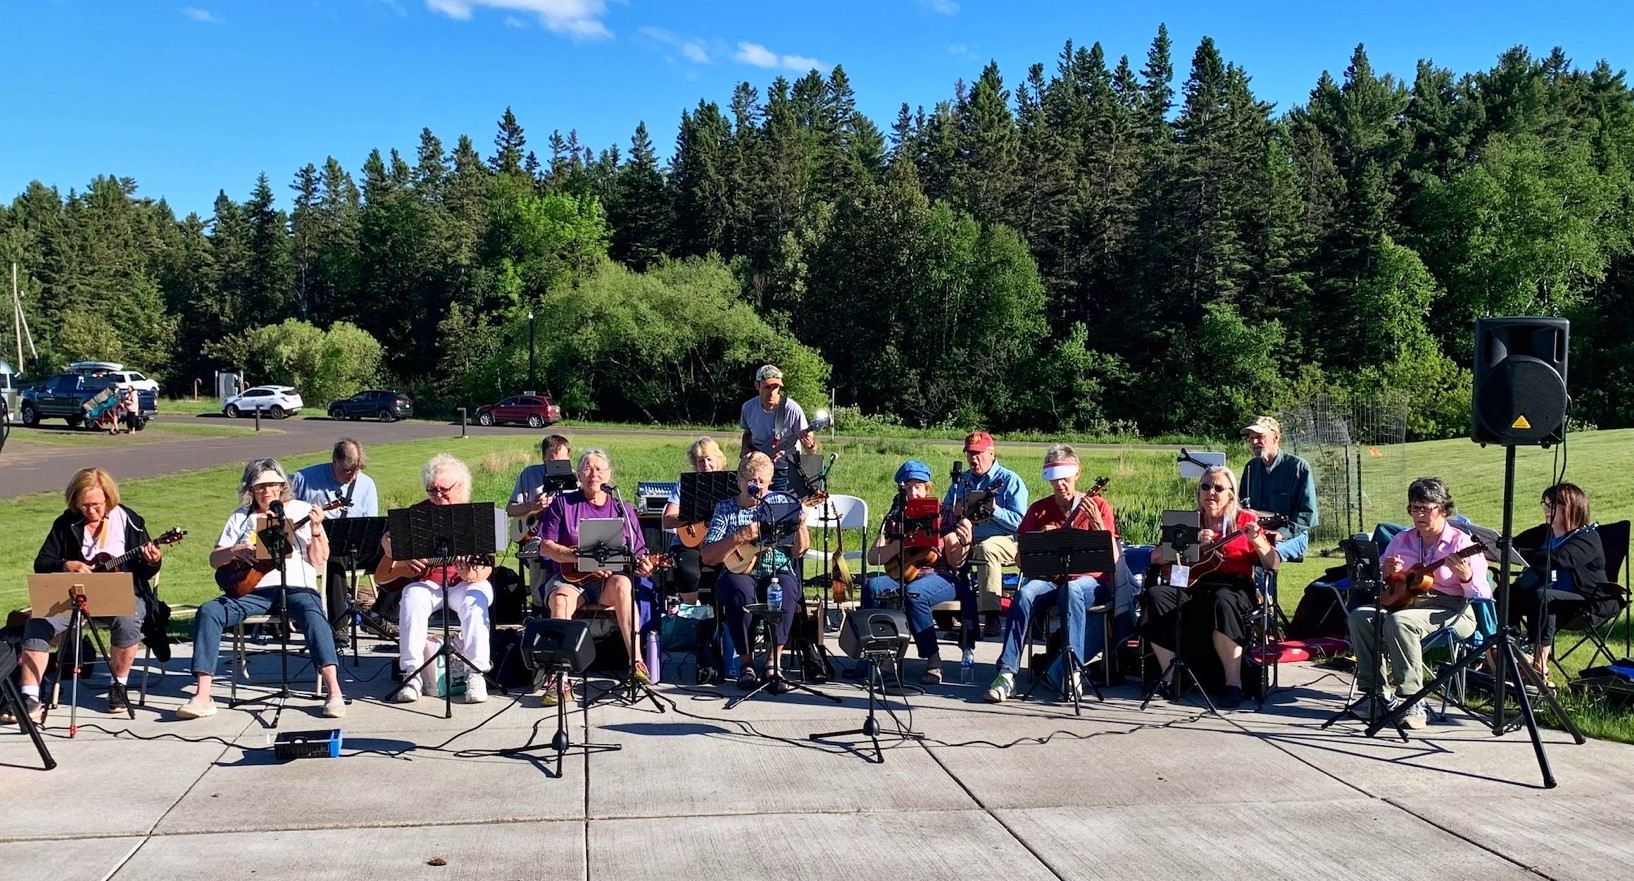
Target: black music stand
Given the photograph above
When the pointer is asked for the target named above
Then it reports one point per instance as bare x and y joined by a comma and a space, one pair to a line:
440, 534
1054, 555
353, 539
1179, 544
1362, 571
701, 491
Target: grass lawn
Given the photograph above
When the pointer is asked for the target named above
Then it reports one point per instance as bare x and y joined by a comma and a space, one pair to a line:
157, 431
1143, 484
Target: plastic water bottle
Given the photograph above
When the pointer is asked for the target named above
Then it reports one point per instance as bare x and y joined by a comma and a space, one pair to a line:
653, 654
967, 668
774, 597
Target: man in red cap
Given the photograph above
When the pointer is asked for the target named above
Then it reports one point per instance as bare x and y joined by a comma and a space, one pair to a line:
993, 527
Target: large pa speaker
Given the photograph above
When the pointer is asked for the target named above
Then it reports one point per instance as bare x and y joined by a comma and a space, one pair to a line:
875, 630
558, 645
1520, 381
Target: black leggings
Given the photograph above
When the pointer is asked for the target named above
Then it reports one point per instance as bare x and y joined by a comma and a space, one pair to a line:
1209, 607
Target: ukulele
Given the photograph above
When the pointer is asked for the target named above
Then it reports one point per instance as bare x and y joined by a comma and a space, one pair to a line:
572, 574
1407, 585
921, 545
237, 578
1211, 556
105, 562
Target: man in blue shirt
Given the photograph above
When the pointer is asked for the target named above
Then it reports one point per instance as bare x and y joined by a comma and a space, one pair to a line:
341, 477
1279, 483
994, 535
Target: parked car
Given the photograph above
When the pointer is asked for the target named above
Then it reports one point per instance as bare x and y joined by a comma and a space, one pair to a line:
386, 406
65, 395
276, 401
116, 372
537, 411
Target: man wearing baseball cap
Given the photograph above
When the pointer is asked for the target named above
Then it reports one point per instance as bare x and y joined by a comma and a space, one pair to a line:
994, 536
1279, 483
774, 424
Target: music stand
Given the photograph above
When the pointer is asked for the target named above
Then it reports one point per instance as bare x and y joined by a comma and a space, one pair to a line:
83, 597
701, 491
559, 477
1179, 546
440, 534
1362, 571
1055, 555
352, 539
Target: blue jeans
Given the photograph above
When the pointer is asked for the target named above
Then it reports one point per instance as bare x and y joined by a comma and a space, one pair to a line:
924, 594
305, 610
1033, 593
738, 591
1294, 547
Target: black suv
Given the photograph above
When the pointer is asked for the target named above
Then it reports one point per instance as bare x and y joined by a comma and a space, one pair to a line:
386, 406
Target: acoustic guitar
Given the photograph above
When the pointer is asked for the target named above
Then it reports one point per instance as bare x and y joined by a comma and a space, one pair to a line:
109, 563
239, 578
1407, 585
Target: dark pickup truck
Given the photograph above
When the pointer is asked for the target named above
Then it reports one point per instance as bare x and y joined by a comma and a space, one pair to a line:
64, 396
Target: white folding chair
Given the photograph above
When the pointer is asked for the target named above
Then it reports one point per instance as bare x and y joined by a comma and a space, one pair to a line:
835, 514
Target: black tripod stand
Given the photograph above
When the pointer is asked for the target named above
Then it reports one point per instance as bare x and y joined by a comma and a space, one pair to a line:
876, 659
13, 701
1509, 669
441, 535
1054, 556
275, 539
79, 618
1179, 538
559, 648
632, 689
1362, 571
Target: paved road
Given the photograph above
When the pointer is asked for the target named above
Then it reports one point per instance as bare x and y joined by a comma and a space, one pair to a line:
30, 468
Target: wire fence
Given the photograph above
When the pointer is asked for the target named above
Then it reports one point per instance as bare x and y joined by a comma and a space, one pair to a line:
1357, 450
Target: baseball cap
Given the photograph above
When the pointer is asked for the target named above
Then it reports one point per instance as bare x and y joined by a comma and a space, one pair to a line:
1263, 425
769, 371
913, 469
978, 442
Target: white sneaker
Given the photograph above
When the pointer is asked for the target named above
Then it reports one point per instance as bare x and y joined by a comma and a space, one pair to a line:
408, 694
1416, 717
476, 689
1003, 686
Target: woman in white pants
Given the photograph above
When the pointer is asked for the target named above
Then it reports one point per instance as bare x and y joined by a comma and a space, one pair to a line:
462, 585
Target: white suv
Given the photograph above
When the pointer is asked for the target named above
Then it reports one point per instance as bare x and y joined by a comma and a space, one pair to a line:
117, 373
276, 401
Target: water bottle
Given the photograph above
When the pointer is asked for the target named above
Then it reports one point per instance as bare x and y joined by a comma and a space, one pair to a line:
652, 656
774, 596
967, 668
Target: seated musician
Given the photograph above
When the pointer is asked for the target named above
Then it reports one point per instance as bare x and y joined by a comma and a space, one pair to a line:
1066, 507
95, 524
733, 533
1568, 545
426, 586
1453, 585
1219, 589
706, 457
932, 567
529, 500
263, 491
567, 588
995, 536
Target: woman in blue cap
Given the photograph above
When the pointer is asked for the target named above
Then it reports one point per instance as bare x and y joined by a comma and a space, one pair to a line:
913, 548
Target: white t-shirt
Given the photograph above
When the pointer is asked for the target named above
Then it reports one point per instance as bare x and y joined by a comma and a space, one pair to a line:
242, 525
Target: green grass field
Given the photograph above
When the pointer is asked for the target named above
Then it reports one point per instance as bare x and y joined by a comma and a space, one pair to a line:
1143, 484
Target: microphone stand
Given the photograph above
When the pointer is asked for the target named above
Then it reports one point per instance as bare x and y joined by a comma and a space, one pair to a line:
629, 690
1179, 540
276, 540
899, 509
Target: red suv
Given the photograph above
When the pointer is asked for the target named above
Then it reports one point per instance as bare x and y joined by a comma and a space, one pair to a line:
537, 411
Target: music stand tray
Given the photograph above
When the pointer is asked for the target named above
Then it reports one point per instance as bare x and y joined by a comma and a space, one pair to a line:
701, 491
1056, 553
107, 594
351, 537
1165, 552
603, 545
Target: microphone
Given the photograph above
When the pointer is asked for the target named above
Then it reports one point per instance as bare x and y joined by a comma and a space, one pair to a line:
276, 508
612, 490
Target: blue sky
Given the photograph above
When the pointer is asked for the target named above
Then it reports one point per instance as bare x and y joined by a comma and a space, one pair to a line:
194, 96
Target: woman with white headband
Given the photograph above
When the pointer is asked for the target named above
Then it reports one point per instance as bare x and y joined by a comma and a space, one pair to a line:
1065, 507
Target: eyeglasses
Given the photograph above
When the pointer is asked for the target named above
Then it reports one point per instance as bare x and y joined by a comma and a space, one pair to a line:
435, 490
261, 487
1213, 487
1422, 510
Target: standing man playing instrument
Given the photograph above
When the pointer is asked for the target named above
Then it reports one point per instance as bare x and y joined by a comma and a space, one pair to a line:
529, 498
1277, 482
461, 585
932, 572
774, 424
1220, 588
734, 530
341, 477
995, 537
94, 524
706, 457
1065, 508
262, 493
566, 588
1453, 584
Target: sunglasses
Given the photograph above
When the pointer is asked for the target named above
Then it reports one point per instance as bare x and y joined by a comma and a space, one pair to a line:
1213, 487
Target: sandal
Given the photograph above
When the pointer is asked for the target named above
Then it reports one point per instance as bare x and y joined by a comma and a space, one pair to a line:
933, 675
747, 679
778, 685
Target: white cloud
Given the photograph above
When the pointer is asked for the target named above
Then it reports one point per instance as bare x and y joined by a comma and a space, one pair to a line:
760, 56
203, 15
940, 7
691, 47
512, 21
960, 50
579, 19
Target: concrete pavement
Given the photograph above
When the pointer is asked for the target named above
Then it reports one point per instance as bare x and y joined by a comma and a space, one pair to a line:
1025, 790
